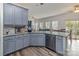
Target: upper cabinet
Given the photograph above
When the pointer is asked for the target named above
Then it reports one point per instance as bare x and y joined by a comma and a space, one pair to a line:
24, 15
8, 14
15, 15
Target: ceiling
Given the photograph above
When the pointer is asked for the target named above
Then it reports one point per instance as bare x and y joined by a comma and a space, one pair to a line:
47, 9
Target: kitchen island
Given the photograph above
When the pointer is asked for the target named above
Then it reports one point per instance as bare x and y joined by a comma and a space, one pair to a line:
15, 42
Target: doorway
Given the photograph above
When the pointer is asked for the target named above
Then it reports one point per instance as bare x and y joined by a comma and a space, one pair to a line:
73, 42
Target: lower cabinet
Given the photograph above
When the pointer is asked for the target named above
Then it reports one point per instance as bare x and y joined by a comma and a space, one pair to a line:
9, 44
19, 42
56, 43
16, 42
60, 44
26, 40
37, 39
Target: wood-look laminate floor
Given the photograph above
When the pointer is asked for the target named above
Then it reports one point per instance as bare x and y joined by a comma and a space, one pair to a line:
34, 51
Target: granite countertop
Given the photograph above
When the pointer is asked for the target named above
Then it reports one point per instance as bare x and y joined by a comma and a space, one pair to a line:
53, 33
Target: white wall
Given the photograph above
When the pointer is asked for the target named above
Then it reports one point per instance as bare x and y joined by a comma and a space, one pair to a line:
1, 29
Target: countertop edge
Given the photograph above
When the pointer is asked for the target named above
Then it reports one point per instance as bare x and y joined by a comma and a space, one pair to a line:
33, 33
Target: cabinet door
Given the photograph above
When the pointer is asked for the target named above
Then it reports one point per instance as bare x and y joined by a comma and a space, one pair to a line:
59, 44
19, 42
8, 14
9, 45
37, 40
5, 45
26, 40
33, 40
41, 40
17, 15
24, 15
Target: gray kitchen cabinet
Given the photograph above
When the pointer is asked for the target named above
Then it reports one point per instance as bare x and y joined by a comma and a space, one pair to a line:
8, 45
26, 40
5, 45
60, 44
41, 40
19, 42
37, 39
24, 15
18, 15
8, 13
15, 15
16, 42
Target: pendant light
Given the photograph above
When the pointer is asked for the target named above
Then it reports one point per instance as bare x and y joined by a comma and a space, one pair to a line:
41, 3
76, 9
